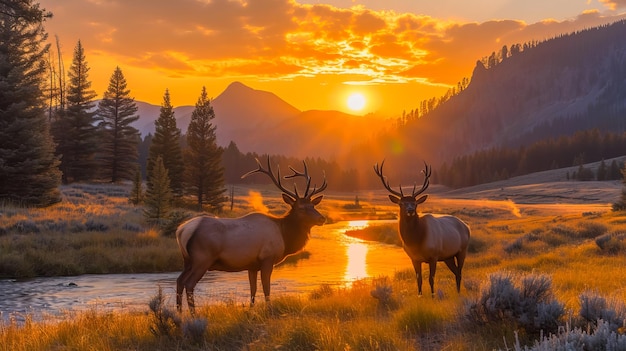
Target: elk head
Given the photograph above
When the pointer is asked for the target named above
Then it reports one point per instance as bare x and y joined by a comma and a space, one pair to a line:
408, 203
302, 207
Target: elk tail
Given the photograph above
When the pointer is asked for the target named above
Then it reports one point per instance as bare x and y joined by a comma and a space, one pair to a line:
184, 233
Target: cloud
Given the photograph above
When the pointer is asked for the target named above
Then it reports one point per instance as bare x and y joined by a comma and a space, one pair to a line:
278, 39
614, 4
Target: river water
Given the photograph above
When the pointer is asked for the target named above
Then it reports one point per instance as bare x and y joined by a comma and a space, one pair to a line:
334, 259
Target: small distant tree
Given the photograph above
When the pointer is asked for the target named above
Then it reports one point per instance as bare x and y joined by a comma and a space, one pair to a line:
204, 173
614, 171
620, 205
602, 173
137, 192
119, 139
166, 144
584, 174
158, 195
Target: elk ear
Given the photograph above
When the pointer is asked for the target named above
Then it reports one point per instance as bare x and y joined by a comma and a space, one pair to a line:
394, 199
421, 199
317, 200
288, 200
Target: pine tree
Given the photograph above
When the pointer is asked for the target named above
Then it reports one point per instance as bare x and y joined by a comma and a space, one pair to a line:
166, 144
74, 129
204, 174
120, 140
29, 171
136, 192
620, 205
158, 195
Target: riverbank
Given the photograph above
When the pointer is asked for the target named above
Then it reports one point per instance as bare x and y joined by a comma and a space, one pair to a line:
568, 243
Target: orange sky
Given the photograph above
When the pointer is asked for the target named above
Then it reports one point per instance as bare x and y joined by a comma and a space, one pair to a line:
312, 54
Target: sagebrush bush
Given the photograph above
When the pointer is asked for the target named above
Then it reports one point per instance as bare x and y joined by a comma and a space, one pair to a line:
601, 337
525, 302
594, 307
612, 243
590, 230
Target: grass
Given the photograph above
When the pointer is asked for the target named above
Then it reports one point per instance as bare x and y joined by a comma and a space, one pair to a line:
95, 230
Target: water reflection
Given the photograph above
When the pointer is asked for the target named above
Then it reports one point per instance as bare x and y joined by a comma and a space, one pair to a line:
356, 268
356, 252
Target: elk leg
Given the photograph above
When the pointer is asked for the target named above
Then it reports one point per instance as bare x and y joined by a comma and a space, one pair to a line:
451, 263
431, 276
417, 266
460, 260
252, 274
266, 274
190, 284
180, 284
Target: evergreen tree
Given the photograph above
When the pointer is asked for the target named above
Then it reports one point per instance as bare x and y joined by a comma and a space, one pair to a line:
136, 192
620, 205
166, 144
158, 195
29, 171
614, 171
74, 129
204, 173
120, 140
602, 171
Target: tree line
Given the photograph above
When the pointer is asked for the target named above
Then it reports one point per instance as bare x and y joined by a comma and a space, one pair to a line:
502, 163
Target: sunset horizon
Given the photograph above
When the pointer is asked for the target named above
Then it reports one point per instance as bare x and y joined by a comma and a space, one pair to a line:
314, 55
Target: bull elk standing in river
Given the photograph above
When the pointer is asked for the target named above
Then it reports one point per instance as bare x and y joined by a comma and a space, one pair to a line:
254, 242
428, 238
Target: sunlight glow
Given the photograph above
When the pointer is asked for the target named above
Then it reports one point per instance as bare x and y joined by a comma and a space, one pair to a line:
356, 268
358, 224
356, 101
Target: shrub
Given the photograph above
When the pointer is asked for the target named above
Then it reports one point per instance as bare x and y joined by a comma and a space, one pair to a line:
594, 307
515, 247
590, 230
383, 292
528, 305
599, 338
165, 321
612, 243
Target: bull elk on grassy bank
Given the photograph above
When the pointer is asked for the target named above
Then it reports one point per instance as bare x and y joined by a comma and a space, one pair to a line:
429, 238
255, 242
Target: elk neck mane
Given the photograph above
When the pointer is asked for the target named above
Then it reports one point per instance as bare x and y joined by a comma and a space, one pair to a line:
409, 228
295, 233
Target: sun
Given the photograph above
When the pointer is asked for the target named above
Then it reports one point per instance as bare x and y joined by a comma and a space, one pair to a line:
356, 101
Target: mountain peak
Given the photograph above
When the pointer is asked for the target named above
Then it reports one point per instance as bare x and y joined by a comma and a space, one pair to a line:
237, 88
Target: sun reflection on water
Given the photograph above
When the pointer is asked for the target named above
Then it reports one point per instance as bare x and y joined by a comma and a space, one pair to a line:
356, 252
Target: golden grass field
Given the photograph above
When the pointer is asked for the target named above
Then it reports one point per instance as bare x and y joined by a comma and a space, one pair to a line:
524, 226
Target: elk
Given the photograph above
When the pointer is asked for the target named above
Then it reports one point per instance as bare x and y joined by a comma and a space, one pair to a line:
429, 238
255, 242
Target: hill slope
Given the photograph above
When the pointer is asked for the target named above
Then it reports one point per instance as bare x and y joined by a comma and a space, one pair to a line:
556, 87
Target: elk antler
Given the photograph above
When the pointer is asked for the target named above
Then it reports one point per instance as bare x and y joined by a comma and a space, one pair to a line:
270, 173
379, 172
276, 179
308, 182
427, 171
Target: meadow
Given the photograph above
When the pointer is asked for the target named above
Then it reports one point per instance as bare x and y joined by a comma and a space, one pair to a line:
563, 262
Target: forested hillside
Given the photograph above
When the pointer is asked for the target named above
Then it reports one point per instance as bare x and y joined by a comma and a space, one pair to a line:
525, 101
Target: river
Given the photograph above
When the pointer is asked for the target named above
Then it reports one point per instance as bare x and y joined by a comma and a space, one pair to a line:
334, 259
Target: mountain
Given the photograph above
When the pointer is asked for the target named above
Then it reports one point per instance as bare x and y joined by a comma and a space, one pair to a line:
259, 121
532, 92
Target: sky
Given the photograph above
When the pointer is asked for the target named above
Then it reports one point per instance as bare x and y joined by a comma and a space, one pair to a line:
312, 54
